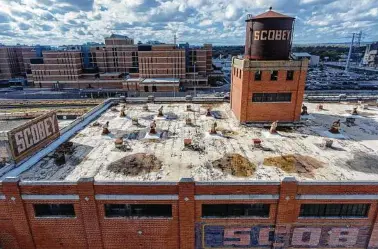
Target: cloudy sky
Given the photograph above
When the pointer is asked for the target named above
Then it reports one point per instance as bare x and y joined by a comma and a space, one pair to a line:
220, 22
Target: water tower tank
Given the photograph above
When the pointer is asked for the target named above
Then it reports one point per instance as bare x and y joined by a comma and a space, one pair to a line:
269, 36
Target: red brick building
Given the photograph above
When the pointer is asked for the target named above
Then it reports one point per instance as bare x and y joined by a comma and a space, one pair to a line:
11, 64
188, 215
267, 90
119, 60
267, 85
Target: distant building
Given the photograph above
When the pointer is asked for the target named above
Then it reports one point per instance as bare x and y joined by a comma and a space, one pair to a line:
154, 43
122, 64
11, 63
118, 40
15, 63
370, 58
313, 59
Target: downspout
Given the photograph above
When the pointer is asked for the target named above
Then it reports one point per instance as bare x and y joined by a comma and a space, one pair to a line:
296, 99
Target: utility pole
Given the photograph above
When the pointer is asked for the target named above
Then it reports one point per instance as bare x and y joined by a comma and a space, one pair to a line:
358, 45
349, 54
195, 84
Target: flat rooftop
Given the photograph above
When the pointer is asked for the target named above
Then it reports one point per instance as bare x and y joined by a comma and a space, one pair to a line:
353, 155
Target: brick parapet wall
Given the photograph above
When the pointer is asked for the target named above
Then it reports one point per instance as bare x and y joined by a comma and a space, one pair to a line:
187, 229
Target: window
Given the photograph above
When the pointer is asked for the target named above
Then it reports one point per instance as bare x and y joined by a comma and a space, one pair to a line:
274, 75
146, 88
235, 210
257, 75
290, 75
154, 89
271, 97
138, 210
54, 210
334, 210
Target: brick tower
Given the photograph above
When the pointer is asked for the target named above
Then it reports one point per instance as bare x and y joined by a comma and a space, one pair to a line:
268, 85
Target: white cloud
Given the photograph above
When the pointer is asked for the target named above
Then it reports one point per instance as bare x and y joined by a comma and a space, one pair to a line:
205, 22
195, 21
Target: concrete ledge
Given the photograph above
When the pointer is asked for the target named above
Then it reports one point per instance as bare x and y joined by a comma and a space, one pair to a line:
50, 197
239, 183
337, 197
102, 183
236, 197
47, 183
137, 197
338, 183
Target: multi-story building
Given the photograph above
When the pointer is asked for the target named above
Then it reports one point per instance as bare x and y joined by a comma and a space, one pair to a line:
81, 190
121, 64
57, 66
11, 64
119, 54
15, 62
267, 85
371, 55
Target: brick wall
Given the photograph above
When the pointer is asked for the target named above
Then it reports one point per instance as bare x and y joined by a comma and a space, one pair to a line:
244, 86
186, 229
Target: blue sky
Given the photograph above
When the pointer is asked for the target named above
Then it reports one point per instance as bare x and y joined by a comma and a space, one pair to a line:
220, 22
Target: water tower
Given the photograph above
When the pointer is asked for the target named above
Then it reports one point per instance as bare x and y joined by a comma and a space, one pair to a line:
267, 84
269, 36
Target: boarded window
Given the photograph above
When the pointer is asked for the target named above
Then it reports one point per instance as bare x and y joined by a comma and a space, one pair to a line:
54, 210
138, 210
334, 210
235, 210
271, 97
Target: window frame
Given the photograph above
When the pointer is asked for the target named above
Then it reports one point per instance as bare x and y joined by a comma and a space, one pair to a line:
259, 78
274, 75
53, 207
334, 210
127, 211
285, 97
292, 72
230, 209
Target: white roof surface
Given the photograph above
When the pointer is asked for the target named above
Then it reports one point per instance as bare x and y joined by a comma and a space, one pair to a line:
354, 157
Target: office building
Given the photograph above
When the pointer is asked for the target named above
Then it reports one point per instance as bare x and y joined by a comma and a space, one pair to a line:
122, 64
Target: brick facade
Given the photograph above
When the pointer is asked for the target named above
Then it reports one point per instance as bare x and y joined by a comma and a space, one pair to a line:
11, 62
186, 229
244, 86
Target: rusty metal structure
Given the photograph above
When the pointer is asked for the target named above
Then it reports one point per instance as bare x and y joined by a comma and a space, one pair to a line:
269, 36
